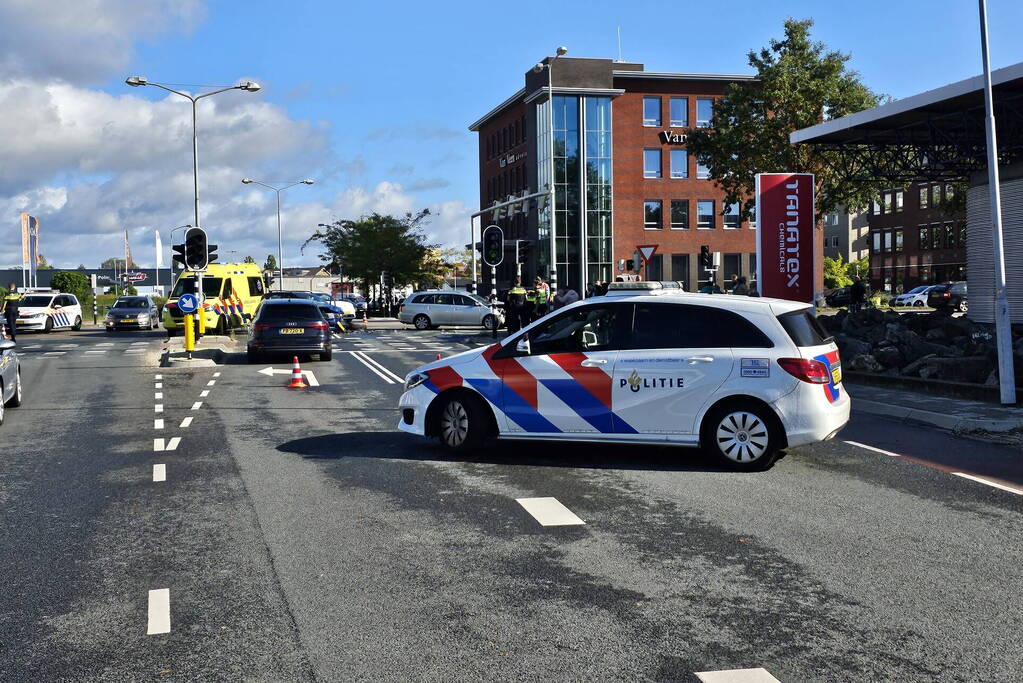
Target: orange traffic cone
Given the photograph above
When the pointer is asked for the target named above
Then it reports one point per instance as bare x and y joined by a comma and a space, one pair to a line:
297, 380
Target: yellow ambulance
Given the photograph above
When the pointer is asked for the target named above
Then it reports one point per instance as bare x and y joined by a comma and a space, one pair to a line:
232, 295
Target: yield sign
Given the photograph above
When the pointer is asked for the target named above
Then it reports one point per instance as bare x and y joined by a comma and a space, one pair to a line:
646, 251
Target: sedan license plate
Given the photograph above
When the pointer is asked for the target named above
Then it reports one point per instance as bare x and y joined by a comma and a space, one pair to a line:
293, 330
127, 320
836, 374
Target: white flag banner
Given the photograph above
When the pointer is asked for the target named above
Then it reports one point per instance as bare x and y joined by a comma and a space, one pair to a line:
159, 250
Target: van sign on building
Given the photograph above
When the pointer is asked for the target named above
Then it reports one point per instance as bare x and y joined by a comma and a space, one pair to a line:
785, 239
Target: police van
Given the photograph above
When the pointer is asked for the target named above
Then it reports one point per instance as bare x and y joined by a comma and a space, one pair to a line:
232, 295
45, 310
647, 363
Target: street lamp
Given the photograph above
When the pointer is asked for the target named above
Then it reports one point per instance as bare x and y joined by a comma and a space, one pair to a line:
540, 66
280, 244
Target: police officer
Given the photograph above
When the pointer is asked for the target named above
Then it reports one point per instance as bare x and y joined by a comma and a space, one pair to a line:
11, 309
543, 293
515, 305
529, 309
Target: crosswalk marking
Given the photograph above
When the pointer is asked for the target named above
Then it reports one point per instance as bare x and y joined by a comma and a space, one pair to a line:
160, 472
159, 612
549, 511
758, 675
160, 445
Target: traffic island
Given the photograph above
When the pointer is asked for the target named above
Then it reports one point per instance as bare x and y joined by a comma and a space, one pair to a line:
209, 350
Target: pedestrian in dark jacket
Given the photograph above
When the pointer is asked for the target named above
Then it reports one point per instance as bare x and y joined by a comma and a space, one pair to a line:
515, 306
11, 309
857, 293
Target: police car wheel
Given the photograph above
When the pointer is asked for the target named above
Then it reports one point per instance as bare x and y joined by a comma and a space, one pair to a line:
78, 324
488, 322
421, 322
461, 424
741, 437
16, 399
48, 326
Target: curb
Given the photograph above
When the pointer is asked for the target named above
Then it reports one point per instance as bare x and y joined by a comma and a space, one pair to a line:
952, 423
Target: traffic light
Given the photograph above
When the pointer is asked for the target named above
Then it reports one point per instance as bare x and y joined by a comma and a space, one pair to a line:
493, 246
706, 259
196, 255
211, 253
179, 254
521, 250
385, 279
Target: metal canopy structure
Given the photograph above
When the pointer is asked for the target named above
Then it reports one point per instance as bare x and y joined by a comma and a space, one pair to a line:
936, 135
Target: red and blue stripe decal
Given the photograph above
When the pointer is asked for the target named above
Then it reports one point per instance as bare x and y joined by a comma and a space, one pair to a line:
831, 390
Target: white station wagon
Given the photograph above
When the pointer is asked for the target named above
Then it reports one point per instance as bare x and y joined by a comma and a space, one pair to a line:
741, 377
425, 310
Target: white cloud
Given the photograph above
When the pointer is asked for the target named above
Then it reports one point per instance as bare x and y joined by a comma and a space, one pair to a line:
82, 41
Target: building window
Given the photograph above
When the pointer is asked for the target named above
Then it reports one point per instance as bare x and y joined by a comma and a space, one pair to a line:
875, 208
887, 202
898, 200
732, 216
832, 219
887, 240
962, 234
679, 114
704, 111
705, 214
950, 236
651, 111
655, 268
923, 197
877, 243
925, 238
680, 269
702, 171
731, 265
936, 235
936, 195
651, 163
752, 269
652, 214
679, 163
949, 193
679, 214
898, 241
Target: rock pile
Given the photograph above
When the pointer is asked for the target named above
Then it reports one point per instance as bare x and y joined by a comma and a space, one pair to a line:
928, 345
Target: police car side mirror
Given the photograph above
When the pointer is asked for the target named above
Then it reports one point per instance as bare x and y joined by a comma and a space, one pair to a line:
522, 346
57, 307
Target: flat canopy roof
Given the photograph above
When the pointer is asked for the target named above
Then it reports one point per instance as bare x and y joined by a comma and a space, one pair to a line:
935, 135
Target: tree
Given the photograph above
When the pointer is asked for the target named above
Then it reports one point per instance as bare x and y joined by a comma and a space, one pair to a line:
42, 263
271, 263
71, 282
248, 259
375, 243
118, 263
81, 266
836, 273
799, 83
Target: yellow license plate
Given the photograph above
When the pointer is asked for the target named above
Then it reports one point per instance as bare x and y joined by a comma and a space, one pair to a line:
127, 320
293, 330
836, 375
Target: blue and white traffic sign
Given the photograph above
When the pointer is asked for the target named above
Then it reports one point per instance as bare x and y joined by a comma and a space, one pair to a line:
188, 303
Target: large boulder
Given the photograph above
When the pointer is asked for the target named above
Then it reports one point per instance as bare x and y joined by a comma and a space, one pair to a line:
889, 356
850, 346
913, 369
864, 362
974, 370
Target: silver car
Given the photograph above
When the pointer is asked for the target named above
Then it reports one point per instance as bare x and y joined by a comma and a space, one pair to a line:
133, 313
10, 377
430, 309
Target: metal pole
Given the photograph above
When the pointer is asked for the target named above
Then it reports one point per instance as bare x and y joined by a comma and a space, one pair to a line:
280, 246
472, 244
554, 213
1003, 327
493, 294
201, 312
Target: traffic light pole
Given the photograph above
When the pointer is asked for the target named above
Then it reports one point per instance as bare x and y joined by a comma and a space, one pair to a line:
493, 298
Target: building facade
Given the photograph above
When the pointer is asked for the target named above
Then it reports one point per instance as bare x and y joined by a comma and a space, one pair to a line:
916, 238
847, 235
607, 155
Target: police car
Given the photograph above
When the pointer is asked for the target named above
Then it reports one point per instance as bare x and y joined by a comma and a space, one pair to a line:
49, 310
741, 377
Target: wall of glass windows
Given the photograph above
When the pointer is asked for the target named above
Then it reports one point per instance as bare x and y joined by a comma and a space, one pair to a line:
582, 172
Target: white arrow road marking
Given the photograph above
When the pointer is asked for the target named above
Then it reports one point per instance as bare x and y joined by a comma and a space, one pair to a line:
308, 374
159, 612
159, 472
172, 445
549, 511
186, 422
379, 369
197, 405
158, 423
737, 676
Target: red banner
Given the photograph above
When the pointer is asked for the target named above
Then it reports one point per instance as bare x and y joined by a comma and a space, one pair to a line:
785, 231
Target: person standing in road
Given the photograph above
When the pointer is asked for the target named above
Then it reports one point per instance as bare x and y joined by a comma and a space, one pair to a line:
543, 295
515, 305
857, 292
565, 296
740, 286
11, 309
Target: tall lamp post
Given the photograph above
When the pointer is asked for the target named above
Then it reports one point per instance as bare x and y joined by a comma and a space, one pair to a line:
559, 52
280, 242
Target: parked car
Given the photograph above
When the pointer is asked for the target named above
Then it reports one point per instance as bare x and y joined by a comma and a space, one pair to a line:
10, 377
289, 326
950, 296
914, 297
355, 300
49, 310
838, 298
428, 309
133, 312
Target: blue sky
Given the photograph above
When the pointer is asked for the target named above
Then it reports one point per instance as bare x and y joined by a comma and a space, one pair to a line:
373, 99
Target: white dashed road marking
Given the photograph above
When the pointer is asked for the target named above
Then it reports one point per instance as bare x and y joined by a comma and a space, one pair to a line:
159, 385
159, 407
211, 382
158, 423
158, 395
159, 472
216, 374
204, 393
54, 353
197, 405
186, 422
95, 352
876, 450
737, 676
172, 445
158, 377
549, 511
981, 480
159, 612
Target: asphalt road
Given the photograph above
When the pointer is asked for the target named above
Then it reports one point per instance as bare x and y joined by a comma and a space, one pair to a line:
299, 536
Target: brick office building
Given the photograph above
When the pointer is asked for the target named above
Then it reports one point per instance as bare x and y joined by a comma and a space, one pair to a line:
915, 239
622, 174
